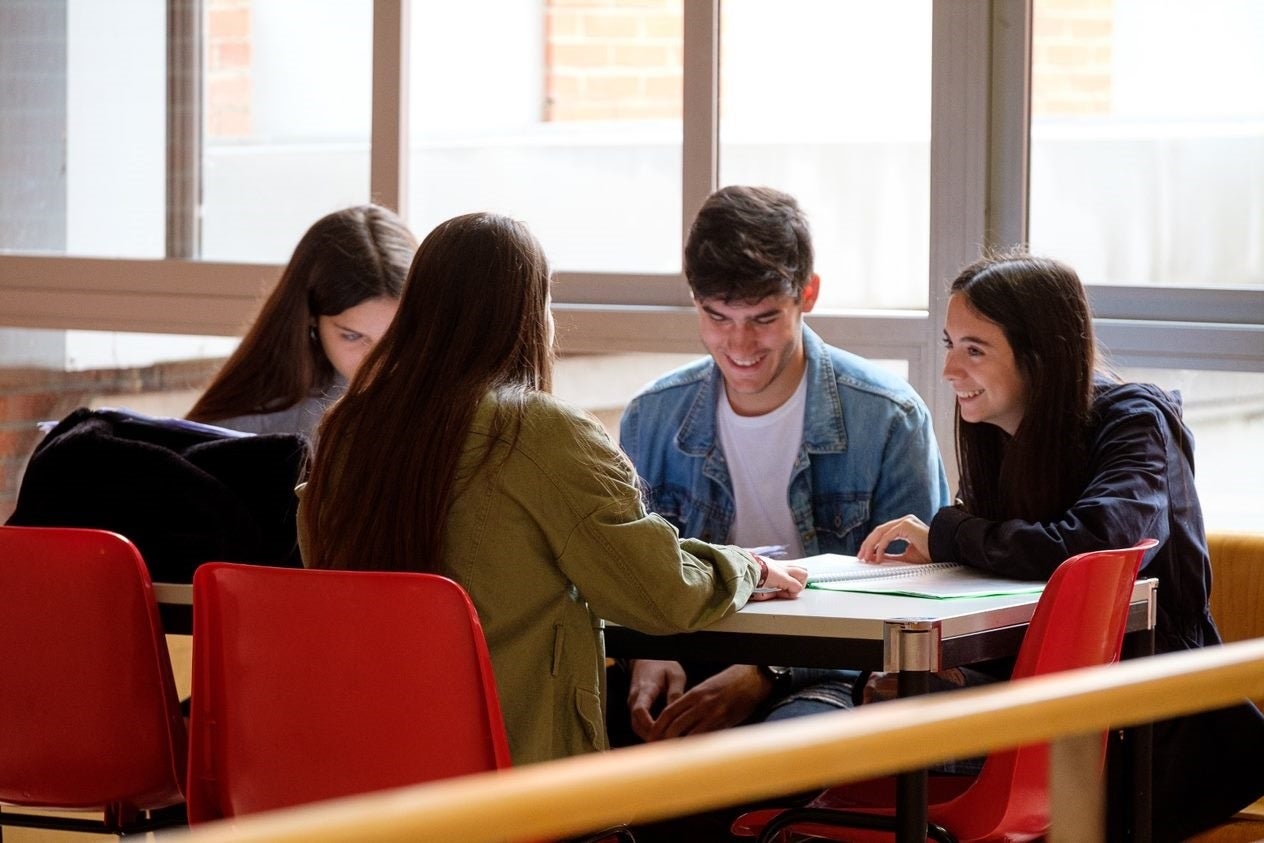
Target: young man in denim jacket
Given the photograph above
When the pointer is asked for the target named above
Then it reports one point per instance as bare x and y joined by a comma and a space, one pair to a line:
775, 439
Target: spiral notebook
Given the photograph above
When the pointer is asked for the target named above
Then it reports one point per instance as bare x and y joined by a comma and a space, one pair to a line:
937, 580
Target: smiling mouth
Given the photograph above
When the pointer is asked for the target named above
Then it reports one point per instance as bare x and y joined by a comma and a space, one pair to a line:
746, 364
965, 396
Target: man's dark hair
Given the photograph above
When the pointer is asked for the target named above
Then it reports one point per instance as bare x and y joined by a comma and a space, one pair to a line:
748, 243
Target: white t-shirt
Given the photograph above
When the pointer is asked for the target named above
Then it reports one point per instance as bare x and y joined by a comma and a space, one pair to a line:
760, 451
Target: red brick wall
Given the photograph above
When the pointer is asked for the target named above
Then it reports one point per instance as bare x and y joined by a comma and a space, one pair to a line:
1071, 57
613, 59
29, 396
228, 69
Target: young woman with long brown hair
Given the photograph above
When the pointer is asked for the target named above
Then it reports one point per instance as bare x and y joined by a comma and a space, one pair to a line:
334, 300
448, 455
1058, 457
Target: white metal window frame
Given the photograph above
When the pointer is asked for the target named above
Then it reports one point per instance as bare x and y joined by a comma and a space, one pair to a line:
980, 121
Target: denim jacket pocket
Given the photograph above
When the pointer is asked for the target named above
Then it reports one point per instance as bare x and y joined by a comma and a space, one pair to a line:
841, 521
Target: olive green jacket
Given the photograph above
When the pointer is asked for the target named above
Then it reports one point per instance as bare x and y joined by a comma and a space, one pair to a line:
549, 536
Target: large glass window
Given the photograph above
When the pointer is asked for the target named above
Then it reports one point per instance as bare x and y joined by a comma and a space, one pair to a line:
566, 115
1148, 140
1146, 170
288, 99
1228, 432
822, 99
83, 109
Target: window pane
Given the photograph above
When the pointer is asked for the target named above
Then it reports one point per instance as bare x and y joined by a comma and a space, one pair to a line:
565, 115
288, 97
1148, 140
1225, 412
83, 108
830, 101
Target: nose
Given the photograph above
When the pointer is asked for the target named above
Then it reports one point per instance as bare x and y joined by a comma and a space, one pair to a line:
743, 336
952, 369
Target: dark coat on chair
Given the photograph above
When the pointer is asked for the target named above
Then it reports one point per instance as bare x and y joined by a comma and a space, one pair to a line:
183, 493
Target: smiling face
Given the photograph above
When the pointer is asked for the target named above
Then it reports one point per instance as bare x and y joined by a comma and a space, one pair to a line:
981, 368
347, 337
758, 347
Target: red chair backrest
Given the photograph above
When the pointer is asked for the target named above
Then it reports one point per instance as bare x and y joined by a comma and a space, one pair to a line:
314, 684
1079, 622
88, 711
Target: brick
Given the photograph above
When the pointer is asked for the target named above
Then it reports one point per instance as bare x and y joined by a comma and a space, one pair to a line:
580, 55
230, 55
1086, 30
23, 407
612, 87
563, 23
17, 443
564, 84
610, 25
632, 55
665, 26
229, 89
228, 22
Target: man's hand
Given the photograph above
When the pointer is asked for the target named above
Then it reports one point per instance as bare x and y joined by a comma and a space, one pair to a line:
650, 682
725, 699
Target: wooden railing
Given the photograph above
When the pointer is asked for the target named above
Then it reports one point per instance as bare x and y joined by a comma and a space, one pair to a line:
683, 776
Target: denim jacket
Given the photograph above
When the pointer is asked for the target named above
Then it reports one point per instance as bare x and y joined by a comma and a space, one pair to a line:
840, 489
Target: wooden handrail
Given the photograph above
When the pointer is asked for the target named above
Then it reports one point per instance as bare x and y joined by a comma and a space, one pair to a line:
693, 774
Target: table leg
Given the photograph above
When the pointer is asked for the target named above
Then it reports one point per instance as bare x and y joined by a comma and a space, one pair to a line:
1130, 764
911, 788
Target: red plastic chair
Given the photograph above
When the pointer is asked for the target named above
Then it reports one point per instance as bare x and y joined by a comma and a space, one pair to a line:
1078, 622
89, 718
315, 684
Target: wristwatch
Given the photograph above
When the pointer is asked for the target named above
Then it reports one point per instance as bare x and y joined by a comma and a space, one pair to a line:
781, 677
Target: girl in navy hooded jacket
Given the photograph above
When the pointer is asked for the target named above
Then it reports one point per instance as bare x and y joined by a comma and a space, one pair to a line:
1058, 458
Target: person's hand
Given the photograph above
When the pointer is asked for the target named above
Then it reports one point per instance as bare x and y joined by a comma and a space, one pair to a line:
652, 682
909, 529
786, 578
726, 699
880, 686
886, 686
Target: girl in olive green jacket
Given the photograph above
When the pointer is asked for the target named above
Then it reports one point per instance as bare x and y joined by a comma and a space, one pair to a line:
448, 456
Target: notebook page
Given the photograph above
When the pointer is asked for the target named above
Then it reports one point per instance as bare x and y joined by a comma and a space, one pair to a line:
937, 582
835, 567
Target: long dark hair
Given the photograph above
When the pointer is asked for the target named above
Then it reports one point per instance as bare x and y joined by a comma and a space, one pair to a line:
474, 318
345, 258
1041, 307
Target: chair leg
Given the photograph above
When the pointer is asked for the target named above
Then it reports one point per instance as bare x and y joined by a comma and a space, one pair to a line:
119, 817
792, 817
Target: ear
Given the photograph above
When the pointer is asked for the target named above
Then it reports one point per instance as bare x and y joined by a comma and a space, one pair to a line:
812, 289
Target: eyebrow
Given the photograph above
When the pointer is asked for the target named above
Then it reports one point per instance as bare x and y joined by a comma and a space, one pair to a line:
775, 311
970, 339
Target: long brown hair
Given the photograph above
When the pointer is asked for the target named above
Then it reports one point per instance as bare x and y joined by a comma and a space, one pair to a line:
474, 318
345, 258
1041, 307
